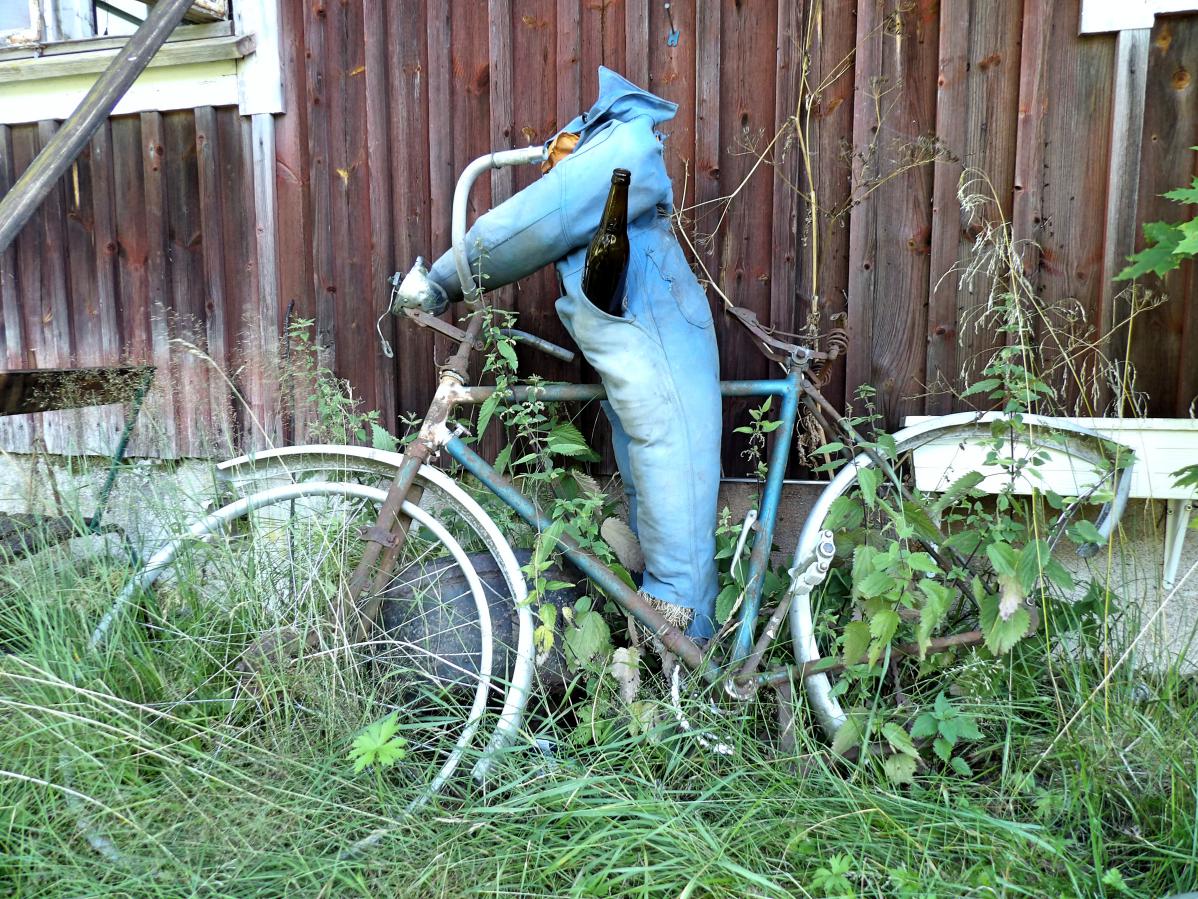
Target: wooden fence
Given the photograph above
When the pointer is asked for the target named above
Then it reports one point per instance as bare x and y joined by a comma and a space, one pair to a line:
387, 101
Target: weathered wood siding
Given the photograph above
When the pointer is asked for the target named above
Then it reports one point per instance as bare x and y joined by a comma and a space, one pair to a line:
144, 252
150, 241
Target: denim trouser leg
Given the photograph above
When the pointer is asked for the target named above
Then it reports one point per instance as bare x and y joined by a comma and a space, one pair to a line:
660, 370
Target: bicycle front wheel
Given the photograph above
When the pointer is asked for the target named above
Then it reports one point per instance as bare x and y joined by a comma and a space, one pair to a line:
960, 457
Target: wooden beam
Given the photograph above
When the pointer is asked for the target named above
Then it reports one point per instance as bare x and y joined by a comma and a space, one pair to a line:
19, 204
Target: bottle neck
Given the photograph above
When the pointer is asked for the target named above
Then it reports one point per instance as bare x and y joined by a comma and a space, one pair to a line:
615, 212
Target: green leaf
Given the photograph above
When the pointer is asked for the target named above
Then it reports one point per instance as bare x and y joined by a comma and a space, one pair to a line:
876, 583
961, 766
923, 562
1186, 477
378, 744
566, 440
957, 490
900, 769
1002, 635
382, 439
1158, 257
845, 514
863, 562
726, 601
899, 739
1188, 245
938, 599
1003, 557
856, 641
884, 625
485, 411
623, 574
1083, 531
943, 749
968, 728
981, 386
1186, 195
507, 350
917, 516
587, 638
925, 726
1058, 574
828, 448
950, 727
1033, 561
868, 480
848, 736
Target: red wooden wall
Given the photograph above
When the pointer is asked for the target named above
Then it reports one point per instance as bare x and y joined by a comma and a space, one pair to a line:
388, 100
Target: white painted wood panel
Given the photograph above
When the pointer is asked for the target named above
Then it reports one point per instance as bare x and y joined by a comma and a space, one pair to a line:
1161, 445
176, 87
1103, 16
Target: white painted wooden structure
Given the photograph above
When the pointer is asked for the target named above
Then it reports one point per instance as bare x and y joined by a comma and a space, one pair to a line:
1105, 16
1161, 446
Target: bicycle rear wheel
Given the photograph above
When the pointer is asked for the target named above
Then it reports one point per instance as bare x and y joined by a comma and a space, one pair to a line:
487, 534
1069, 455
275, 562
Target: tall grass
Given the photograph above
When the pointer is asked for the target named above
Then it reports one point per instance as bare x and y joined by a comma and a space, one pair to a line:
148, 768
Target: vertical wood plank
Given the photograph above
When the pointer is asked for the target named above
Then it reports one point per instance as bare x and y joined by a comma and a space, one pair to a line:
440, 124
319, 97
830, 43
786, 182
535, 113
15, 430
1165, 339
79, 221
260, 159
158, 274
104, 261
569, 78
1066, 93
354, 299
741, 217
61, 429
29, 253
294, 191
381, 238
184, 237
1123, 180
672, 75
976, 116
411, 190
214, 285
894, 119
636, 41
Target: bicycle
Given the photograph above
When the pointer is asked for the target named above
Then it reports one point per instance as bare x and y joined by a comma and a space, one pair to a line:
426, 537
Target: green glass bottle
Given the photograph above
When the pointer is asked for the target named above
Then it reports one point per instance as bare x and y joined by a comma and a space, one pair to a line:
607, 256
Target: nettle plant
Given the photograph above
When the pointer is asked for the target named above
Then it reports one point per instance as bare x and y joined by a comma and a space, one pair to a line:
542, 452
1167, 246
916, 568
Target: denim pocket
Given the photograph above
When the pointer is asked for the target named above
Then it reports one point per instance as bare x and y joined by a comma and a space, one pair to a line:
688, 294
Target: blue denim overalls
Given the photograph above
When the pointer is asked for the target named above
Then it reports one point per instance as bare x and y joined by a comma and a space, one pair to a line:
658, 361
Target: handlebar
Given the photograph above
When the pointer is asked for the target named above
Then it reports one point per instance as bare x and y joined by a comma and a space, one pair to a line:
461, 196
414, 292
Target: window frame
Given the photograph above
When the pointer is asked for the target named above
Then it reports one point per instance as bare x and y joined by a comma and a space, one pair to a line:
233, 62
